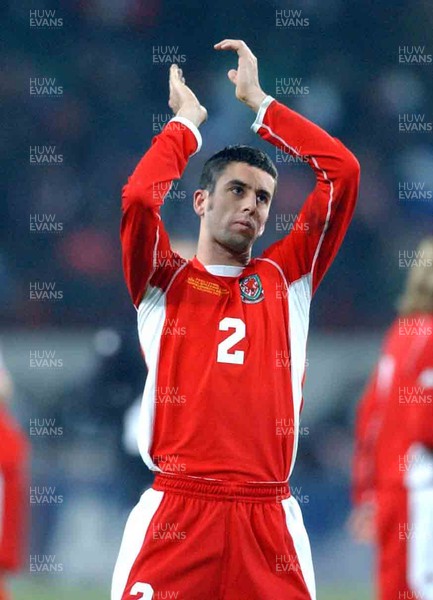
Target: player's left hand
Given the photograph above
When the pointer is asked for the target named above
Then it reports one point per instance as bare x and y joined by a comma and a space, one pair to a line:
246, 77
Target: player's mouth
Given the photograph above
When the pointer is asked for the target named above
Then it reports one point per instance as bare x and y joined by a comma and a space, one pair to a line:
244, 224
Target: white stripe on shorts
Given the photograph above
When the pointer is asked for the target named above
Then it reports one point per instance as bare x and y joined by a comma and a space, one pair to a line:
133, 537
295, 525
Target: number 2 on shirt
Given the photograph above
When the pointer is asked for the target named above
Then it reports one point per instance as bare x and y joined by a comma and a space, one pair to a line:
224, 355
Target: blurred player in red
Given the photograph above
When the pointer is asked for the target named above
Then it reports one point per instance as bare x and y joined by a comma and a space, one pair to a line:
14, 491
393, 467
219, 419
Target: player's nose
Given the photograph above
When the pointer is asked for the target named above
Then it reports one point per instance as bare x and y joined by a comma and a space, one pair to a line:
249, 203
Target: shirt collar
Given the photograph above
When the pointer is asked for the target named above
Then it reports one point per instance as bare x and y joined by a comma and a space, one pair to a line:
218, 270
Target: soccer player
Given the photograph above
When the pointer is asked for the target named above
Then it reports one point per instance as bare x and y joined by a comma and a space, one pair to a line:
14, 451
393, 467
219, 521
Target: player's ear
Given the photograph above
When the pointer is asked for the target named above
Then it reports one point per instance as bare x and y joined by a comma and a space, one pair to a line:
200, 197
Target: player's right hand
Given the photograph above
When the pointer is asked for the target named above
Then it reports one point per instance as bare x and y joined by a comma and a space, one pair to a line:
182, 101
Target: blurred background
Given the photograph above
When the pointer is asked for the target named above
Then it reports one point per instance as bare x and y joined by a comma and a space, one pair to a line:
84, 88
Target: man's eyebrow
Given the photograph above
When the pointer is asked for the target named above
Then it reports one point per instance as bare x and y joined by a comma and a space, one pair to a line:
241, 183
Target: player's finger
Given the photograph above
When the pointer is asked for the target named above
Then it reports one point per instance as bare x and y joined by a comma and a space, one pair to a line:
232, 75
172, 74
227, 44
180, 75
227, 41
238, 46
175, 71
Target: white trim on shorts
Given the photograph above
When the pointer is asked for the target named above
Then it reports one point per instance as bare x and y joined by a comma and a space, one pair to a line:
133, 537
296, 528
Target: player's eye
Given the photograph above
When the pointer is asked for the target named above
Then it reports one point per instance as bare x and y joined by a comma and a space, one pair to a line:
237, 190
262, 198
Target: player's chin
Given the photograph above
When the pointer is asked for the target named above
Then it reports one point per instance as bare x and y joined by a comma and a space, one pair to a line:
241, 231
240, 242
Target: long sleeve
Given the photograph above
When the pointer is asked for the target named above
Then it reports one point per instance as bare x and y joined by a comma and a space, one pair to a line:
310, 248
147, 254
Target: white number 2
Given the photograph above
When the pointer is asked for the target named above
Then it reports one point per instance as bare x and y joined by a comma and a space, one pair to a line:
224, 356
142, 588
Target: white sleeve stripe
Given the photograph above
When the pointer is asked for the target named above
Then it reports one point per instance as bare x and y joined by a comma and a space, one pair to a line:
193, 128
155, 251
154, 262
261, 114
328, 215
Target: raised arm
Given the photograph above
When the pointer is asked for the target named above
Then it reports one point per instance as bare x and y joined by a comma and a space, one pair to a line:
321, 224
146, 251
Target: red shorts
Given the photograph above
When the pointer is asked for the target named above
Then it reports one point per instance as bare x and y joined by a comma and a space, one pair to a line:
196, 539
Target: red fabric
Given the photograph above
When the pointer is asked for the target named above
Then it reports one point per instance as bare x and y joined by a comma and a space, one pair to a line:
200, 547
392, 537
14, 498
396, 410
332, 202
328, 208
234, 421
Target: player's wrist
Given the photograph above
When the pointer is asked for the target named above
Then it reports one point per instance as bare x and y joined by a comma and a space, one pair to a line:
196, 113
255, 99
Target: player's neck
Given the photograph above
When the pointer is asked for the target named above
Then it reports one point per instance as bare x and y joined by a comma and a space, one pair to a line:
212, 253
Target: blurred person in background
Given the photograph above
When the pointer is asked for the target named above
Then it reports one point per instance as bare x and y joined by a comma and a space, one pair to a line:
393, 463
14, 490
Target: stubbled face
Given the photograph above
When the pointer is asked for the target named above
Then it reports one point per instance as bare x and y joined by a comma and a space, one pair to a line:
234, 215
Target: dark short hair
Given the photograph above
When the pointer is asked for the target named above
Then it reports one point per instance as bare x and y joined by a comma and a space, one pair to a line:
216, 164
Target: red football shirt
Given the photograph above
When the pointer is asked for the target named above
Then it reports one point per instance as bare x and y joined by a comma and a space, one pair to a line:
396, 410
225, 350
